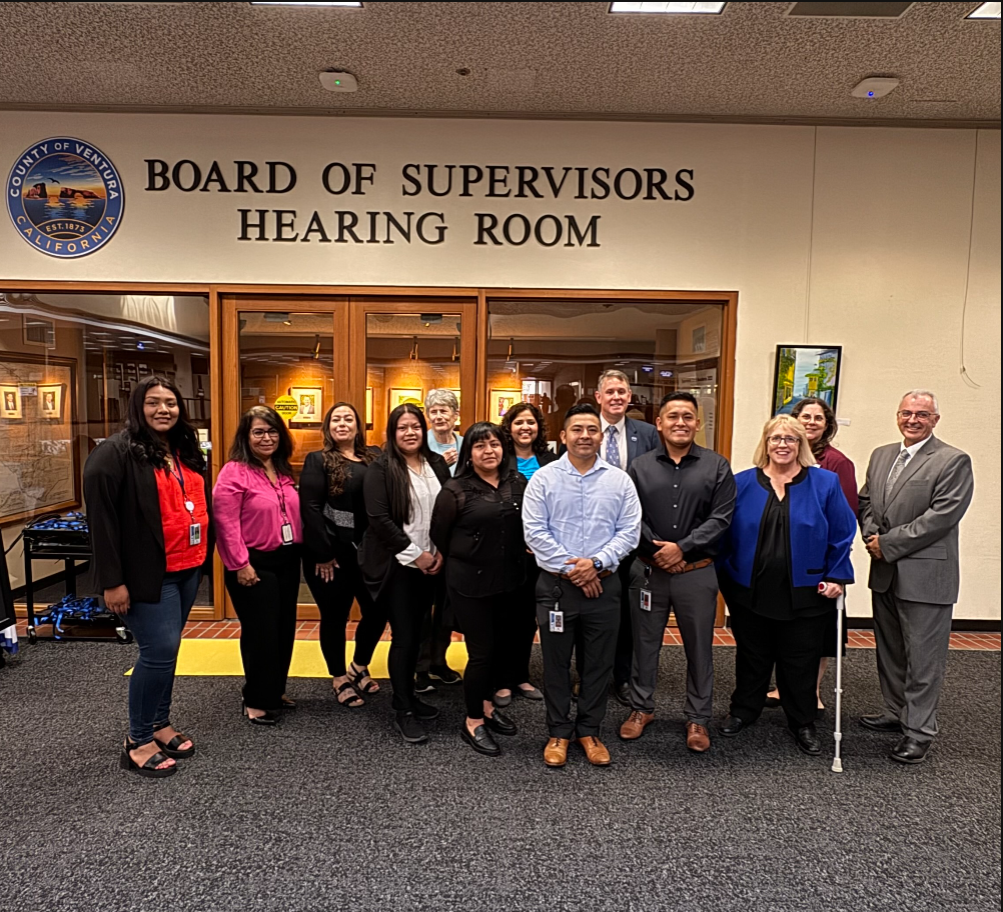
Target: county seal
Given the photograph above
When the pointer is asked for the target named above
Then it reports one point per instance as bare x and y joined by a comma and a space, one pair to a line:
65, 197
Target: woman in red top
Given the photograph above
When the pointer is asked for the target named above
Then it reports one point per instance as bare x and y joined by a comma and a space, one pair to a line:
819, 422
148, 502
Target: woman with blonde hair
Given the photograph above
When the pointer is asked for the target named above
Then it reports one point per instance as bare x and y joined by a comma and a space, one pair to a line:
784, 559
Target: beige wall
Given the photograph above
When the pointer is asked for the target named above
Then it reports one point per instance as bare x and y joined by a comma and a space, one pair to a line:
858, 237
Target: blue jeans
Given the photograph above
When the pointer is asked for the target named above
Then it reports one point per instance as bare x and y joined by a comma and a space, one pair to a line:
157, 628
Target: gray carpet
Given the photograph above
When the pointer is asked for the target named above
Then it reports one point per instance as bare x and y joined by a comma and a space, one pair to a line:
330, 811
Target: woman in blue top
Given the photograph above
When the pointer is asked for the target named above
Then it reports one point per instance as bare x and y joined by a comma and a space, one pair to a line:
526, 429
782, 562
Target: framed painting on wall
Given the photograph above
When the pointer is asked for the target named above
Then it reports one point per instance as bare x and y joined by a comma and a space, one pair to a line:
309, 404
500, 401
10, 402
399, 396
803, 371
50, 401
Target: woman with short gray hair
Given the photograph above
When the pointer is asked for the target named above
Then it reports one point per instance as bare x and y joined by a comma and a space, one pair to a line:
442, 410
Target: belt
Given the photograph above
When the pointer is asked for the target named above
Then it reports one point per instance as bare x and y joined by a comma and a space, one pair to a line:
696, 565
563, 576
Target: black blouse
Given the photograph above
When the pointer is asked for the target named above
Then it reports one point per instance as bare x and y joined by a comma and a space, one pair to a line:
330, 522
478, 528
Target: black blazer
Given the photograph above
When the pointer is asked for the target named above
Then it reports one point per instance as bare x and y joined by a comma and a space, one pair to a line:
478, 529
123, 513
384, 539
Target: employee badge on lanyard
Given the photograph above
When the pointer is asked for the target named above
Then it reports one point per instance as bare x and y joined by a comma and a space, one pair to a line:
194, 528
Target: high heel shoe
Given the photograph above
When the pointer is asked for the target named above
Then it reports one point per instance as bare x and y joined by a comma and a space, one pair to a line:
271, 716
149, 768
171, 747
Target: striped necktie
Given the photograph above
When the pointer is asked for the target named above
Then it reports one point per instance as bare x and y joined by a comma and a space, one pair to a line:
893, 475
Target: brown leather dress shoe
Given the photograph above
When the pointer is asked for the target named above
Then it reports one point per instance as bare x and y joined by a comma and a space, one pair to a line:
556, 752
635, 724
697, 737
595, 750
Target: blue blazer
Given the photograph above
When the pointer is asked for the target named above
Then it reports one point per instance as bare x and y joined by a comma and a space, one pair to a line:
822, 527
641, 438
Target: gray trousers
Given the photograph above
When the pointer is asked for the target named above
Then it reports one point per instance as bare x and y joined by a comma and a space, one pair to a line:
912, 639
693, 598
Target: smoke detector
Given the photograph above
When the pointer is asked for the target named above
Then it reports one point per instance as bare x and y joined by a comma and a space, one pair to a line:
339, 81
874, 87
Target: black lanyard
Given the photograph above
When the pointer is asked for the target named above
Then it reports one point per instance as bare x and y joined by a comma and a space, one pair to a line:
280, 494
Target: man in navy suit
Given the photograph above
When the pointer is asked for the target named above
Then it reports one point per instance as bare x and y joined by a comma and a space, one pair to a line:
623, 440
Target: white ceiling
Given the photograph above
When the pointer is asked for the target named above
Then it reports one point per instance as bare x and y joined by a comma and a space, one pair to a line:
753, 62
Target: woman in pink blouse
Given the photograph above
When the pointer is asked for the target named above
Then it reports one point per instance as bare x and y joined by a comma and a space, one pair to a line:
819, 422
258, 536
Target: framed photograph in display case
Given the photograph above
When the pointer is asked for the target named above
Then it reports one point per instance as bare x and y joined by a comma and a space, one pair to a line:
50, 401
803, 371
500, 401
10, 402
309, 404
402, 396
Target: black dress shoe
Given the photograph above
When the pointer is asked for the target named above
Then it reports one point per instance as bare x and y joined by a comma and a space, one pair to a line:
771, 702
424, 711
410, 728
731, 726
621, 693
806, 738
444, 675
423, 683
881, 723
481, 741
500, 724
909, 750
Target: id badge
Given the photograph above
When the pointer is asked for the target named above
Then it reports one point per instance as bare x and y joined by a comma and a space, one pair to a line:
646, 600
194, 534
287, 533
556, 620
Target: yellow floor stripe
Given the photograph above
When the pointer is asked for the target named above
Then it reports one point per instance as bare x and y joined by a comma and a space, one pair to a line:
222, 658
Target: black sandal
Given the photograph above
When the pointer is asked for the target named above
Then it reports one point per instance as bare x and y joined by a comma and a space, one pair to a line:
171, 747
353, 702
149, 768
357, 675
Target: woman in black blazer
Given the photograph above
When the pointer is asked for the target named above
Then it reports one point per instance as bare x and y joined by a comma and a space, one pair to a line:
148, 501
477, 525
527, 430
397, 557
334, 520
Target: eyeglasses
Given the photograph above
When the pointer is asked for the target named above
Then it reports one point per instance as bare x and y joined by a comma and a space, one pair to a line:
776, 441
260, 433
919, 416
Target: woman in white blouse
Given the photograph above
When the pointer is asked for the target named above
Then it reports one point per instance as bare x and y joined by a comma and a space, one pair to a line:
397, 557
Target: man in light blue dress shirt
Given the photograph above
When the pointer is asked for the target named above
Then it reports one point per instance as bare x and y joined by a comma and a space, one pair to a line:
581, 517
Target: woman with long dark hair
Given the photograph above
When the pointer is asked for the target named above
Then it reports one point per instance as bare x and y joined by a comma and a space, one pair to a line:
148, 507
398, 559
477, 526
526, 428
334, 519
819, 422
258, 531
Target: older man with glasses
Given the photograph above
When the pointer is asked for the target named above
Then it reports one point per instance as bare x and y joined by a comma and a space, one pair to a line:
914, 497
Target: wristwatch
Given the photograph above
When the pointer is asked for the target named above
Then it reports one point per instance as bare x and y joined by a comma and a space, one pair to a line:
597, 564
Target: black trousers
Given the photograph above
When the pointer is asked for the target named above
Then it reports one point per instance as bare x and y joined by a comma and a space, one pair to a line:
267, 612
334, 599
489, 628
590, 631
406, 598
794, 647
436, 630
625, 638
523, 619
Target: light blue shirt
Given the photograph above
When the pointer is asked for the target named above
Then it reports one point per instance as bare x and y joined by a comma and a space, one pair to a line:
567, 515
441, 448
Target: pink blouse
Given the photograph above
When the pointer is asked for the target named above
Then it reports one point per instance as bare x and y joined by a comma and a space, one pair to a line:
249, 511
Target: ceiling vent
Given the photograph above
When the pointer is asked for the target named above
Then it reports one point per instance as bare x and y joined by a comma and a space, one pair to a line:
849, 10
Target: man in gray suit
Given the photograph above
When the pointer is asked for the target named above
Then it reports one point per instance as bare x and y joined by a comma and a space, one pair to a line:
912, 501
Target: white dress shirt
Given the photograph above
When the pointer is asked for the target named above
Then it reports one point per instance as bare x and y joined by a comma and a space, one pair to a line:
425, 488
568, 515
621, 427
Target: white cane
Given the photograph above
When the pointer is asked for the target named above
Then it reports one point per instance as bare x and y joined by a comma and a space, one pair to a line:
837, 763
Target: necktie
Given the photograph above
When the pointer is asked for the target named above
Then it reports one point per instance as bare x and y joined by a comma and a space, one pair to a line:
893, 475
613, 447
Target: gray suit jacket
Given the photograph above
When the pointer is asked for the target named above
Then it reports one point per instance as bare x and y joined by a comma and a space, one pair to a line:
918, 524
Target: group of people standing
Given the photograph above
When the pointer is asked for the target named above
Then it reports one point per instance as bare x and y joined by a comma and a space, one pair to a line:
493, 534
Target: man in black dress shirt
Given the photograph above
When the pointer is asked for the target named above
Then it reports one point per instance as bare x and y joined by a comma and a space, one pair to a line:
687, 493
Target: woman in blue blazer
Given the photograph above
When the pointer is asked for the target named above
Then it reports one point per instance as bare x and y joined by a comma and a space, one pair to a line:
783, 561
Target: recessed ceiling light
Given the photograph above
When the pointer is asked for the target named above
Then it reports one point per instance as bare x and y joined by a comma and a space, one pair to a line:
623, 7
986, 11
293, 3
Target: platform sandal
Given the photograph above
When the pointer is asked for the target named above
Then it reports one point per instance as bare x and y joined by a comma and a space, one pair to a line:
171, 748
352, 702
149, 768
357, 675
